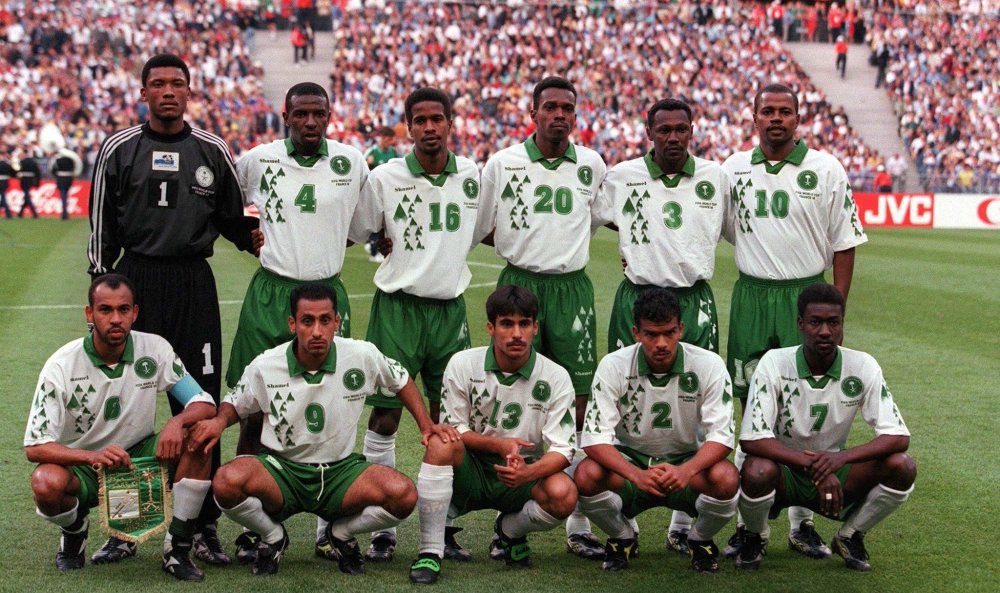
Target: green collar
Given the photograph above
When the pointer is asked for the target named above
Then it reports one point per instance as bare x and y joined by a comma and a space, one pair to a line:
536, 155
804, 373
657, 173
795, 157
307, 161
451, 167
675, 369
128, 356
295, 368
524, 371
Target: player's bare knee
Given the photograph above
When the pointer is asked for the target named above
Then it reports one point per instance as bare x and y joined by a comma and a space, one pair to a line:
400, 495
227, 485
439, 452
724, 480
49, 484
900, 471
758, 476
384, 421
560, 496
588, 478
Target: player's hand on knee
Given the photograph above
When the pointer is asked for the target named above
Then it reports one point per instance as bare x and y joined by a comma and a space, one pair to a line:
205, 435
831, 496
445, 432
168, 447
112, 456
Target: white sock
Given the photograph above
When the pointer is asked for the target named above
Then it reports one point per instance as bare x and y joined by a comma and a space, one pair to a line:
63, 520
434, 488
380, 450
605, 510
880, 502
755, 510
321, 524
796, 515
713, 514
531, 517
373, 518
189, 495
250, 514
680, 521
577, 522
634, 524
738, 458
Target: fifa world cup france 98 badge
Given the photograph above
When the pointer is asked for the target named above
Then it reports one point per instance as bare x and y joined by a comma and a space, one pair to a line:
135, 503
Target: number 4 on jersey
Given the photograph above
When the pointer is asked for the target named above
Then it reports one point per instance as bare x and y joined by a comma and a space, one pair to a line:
306, 199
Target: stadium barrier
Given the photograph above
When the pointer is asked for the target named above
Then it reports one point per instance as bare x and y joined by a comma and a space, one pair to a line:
46, 198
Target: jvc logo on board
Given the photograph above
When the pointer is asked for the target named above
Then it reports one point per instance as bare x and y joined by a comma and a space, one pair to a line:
900, 210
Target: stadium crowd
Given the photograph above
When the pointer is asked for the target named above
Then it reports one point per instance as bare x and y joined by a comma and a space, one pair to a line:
74, 64
621, 60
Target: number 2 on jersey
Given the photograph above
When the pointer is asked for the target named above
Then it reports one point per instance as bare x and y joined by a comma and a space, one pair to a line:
563, 199
662, 411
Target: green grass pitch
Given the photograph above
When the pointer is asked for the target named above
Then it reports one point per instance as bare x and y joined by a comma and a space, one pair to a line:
925, 303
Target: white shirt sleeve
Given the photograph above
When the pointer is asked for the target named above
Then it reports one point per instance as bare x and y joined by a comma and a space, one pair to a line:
878, 408
248, 397
845, 229
729, 206
717, 422
487, 196
484, 215
559, 429
456, 407
602, 409
603, 210
242, 176
173, 378
48, 408
368, 216
762, 405
387, 373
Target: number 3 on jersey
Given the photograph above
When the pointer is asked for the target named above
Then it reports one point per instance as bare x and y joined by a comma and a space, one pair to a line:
162, 193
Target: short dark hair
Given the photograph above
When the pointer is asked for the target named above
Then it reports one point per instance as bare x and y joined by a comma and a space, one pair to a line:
779, 89
511, 300
550, 82
820, 292
113, 281
426, 94
305, 89
667, 105
656, 305
311, 291
387, 132
165, 61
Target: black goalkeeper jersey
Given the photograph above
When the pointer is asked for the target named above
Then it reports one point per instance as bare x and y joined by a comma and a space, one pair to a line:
164, 196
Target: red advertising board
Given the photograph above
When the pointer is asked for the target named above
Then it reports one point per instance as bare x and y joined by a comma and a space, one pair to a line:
46, 198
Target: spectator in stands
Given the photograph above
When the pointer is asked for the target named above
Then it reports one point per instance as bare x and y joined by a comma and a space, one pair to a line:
841, 49
883, 181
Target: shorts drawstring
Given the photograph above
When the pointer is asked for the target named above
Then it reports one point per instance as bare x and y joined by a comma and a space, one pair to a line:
322, 480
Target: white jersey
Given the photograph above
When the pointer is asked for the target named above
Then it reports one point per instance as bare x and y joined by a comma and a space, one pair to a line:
535, 404
305, 204
660, 416
433, 221
668, 227
542, 209
83, 403
313, 417
808, 413
787, 219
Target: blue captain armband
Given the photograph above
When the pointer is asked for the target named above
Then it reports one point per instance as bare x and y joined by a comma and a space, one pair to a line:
185, 390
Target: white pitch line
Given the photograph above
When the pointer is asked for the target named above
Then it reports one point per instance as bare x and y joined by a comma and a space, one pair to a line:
486, 265
51, 307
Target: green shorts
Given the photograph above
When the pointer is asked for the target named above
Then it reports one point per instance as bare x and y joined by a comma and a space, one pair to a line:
422, 334
87, 495
801, 492
477, 487
698, 313
635, 501
567, 331
313, 488
763, 315
264, 318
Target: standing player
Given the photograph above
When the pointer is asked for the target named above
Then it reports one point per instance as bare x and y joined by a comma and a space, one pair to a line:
305, 186
163, 192
428, 204
803, 401
657, 433
791, 217
540, 195
95, 406
312, 391
30, 175
669, 208
509, 403
380, 154
7, 172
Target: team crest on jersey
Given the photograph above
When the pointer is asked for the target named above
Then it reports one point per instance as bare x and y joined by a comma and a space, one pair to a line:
704, 190
145, 367
354, 379
471, 188
541, 391
166, 161
585, 174
204, 176
852, 387
340, 165
688, 382
808, 180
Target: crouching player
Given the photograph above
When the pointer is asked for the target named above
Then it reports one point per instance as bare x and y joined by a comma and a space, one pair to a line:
802, 403
508, 402
95, 406
312, 392
658, 428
